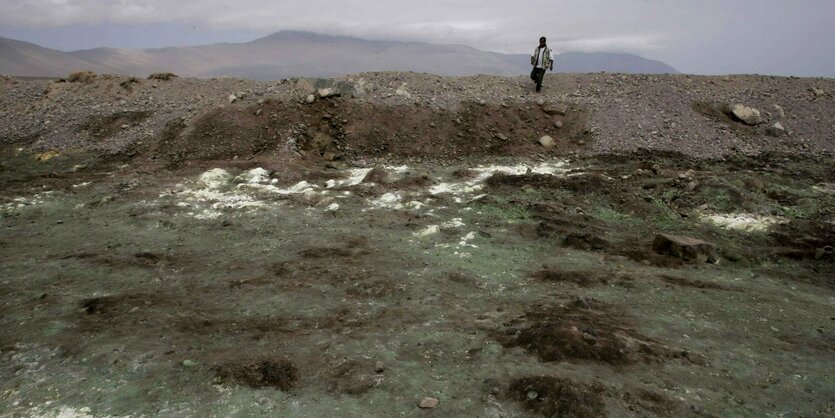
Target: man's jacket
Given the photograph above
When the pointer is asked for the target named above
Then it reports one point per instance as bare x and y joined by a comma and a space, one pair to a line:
547, 58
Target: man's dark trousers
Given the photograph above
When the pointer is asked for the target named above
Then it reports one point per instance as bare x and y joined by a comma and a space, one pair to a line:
538, 74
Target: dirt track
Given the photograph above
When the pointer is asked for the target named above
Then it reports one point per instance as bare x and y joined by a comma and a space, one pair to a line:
395, 248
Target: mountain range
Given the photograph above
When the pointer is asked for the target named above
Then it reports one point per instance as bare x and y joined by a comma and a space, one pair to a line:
290, 53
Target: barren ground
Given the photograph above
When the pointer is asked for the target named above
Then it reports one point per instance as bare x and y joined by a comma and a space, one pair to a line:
165, 252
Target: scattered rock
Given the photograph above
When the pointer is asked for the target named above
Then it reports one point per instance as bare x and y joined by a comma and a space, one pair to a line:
501, 137
776, 130
379, 367
402, 92
558, 124
747, 115
818, 92
547, 142
556, 110
232, 98
328, 92
685, 248
779, 111
428, 403
310, 99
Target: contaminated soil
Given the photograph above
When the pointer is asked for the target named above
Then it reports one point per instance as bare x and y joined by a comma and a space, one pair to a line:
195, 254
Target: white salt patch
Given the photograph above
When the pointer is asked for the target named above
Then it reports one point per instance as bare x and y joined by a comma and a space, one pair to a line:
355, 177
742, 222
415, 205
465, 240
216, 178
399, 170
484, 172
454, 223
254, 176
388, 201
429, 230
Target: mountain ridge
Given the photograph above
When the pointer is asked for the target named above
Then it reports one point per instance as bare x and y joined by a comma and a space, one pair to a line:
288, 54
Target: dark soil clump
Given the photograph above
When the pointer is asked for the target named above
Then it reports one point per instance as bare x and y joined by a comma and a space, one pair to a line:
279, 373
580, 278
696, 284
558, 397
581, 330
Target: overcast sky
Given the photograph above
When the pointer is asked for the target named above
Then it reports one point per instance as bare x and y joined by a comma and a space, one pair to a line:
786, 37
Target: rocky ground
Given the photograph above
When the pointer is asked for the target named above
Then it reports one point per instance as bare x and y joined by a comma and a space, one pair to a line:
406, 244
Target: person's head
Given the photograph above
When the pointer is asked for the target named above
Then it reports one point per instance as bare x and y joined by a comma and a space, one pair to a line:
542, 41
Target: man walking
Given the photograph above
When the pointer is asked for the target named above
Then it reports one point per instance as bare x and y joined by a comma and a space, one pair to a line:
541, 60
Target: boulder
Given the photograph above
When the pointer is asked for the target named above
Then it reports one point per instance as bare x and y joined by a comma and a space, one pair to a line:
547, 142
748, 115
216, 178
685, 248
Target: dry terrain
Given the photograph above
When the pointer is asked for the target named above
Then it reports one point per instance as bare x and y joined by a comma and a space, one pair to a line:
401, 244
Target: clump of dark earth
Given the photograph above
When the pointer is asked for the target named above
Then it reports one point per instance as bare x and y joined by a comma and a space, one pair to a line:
558, 396
274, 372
585, 241
581, 330
580, 278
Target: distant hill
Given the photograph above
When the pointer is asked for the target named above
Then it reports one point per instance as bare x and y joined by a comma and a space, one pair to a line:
27, 59
288, 54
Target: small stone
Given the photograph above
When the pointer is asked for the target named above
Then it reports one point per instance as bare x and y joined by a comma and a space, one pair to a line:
776, 130
818, 92
125, 126
656, 168
532, 395
258, 112
779, 110
310, 99
428, 403
501, 137
432, 125
189, 363
327, 116
558, 124
482, 102
233, 98
691, 186
589, 339
555, 110
379, 367
540, 102
547, 142
328, 92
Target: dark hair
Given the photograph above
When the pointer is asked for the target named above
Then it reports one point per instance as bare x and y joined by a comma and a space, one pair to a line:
542, 39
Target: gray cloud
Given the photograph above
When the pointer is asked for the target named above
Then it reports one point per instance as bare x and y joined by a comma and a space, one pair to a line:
768, 36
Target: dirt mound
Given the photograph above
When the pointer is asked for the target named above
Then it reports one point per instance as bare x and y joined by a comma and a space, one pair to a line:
101, 127
274, 372
335, 127
582, 330
558, 397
